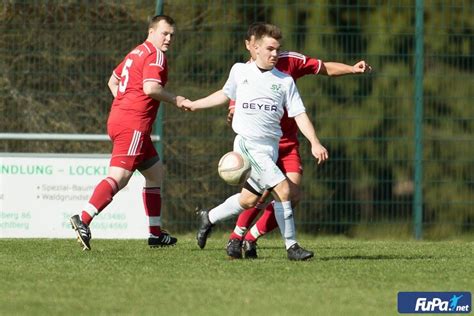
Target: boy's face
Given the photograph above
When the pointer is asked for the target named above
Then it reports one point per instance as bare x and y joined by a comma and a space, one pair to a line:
161, 35
266, 52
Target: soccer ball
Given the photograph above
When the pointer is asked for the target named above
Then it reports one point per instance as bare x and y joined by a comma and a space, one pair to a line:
234, 168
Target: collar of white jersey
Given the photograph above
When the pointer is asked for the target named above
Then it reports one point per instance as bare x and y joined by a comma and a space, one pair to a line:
254, 66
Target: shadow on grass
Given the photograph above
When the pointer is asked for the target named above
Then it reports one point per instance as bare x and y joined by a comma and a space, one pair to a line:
377, 257
207, 249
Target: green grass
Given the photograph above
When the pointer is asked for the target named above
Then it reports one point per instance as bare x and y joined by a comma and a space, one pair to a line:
347, 277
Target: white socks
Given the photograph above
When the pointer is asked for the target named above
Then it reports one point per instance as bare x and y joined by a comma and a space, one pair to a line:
286, 222
283, 214
230, 207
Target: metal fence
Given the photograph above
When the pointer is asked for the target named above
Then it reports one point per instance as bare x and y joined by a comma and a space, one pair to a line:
400, 140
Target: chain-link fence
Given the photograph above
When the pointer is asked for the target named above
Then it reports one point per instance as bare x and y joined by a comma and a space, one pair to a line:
56, 58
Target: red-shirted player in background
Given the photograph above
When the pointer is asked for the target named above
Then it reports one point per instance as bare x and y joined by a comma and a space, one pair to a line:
289, 161
137, 84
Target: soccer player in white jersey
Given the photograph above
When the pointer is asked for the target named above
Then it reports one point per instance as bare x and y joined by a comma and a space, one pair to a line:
261, 94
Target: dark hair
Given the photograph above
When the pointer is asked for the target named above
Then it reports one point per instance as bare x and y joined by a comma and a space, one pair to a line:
251, 30
157, 18
264, 29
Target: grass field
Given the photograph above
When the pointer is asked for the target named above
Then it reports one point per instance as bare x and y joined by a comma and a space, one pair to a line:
347, 277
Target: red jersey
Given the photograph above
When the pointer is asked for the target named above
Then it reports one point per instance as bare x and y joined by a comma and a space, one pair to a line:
132, 107
296, 65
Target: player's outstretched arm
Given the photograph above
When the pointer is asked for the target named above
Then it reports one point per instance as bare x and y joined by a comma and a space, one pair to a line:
335, 69
157, 92
307, 129
215, 99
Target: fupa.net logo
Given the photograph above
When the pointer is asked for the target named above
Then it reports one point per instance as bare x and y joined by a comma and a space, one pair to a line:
434, 302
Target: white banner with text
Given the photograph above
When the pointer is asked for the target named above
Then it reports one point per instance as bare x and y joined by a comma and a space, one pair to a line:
38, 195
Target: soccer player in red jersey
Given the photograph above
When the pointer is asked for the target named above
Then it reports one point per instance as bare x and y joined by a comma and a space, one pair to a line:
296, 65
137, 85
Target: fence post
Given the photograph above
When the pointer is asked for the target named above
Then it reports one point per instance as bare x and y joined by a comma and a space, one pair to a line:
159, 117
418, 163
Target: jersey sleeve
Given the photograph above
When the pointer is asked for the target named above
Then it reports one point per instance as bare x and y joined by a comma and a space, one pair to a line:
154, 68
118, 70
299, 65
294, 104
230, 87
310, 67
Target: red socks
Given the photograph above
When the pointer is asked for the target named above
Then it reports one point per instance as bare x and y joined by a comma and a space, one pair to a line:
152, 204
101, 197
108, 187
243, 222
265, 224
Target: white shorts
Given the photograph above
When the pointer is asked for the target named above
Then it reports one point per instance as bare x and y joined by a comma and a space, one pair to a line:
262, 155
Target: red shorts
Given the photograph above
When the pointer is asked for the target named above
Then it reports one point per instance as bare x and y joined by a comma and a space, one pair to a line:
289, 159
132, 149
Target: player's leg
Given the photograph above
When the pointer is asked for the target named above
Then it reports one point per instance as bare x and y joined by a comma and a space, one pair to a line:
267, 222
205, 222
285, 220
246, 218
232, 206
289, 161
123, 162
104, 192
151, 194
284, 212
152, 170
261, 157
102, 195
234, 245
235, 204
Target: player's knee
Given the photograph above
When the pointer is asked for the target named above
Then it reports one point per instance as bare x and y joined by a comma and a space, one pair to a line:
282, 191
153, 175
121, 182
153, 181
247, 203
295, 196
121, 176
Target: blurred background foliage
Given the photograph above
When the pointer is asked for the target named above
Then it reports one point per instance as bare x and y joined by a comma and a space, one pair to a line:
56, 58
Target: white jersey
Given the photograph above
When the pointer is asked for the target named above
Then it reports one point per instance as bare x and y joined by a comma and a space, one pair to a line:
260, 99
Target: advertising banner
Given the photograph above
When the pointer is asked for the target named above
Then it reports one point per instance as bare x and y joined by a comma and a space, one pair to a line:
38, 195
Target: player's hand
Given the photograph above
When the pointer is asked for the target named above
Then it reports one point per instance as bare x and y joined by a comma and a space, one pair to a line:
230, 116
187, 105
362, 67
179, 101
320, 153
